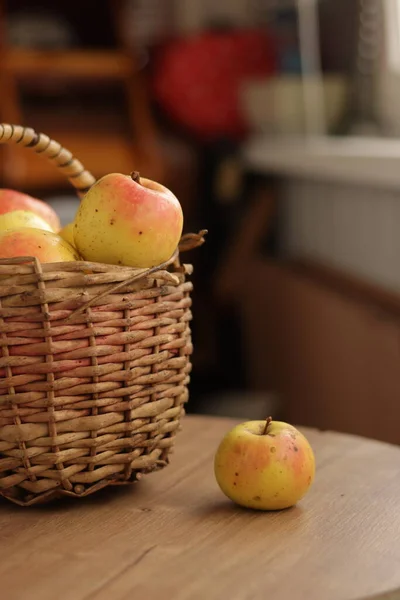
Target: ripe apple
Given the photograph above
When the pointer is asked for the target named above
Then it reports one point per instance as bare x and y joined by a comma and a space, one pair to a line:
14, 200
23, 218
67, 233
264, 465
128, 220
47, 246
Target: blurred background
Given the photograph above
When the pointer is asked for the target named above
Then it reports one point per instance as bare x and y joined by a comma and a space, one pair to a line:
277, 124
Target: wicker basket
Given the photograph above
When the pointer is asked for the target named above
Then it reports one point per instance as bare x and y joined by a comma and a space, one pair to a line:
95, 363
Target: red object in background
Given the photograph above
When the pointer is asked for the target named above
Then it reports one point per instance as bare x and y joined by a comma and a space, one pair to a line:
197, 80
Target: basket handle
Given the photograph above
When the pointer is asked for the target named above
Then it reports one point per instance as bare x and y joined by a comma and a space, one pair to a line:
81, 179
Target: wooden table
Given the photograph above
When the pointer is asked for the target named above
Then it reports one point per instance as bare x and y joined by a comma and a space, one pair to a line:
174, 535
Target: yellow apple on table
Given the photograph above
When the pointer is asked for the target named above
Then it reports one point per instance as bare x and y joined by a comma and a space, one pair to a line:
23, 218
264, 465
13, 200
46, 246
128, 220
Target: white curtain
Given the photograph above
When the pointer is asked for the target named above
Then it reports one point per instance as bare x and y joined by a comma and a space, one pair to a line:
389, 73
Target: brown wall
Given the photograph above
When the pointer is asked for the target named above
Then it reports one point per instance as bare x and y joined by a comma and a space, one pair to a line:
333, 354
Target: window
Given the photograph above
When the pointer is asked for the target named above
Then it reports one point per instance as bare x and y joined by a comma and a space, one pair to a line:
392, 27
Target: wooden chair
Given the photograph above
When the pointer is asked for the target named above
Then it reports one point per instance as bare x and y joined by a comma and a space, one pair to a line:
101, 152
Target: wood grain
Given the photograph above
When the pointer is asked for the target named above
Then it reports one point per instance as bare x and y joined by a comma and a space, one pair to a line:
174, 535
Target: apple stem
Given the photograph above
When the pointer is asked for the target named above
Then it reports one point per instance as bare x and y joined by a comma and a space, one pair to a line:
267, 422
135, 176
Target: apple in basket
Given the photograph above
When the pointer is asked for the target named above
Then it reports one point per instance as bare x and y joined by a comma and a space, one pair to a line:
67, 233
23, 218
11, 200
128, 220
47, 246
264, 465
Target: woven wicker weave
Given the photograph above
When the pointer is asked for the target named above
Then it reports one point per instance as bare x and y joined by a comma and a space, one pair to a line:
95, 363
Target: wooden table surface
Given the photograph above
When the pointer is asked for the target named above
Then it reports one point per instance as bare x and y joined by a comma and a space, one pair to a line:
175, 536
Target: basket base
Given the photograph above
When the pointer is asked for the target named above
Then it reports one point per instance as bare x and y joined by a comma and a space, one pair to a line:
17, 497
